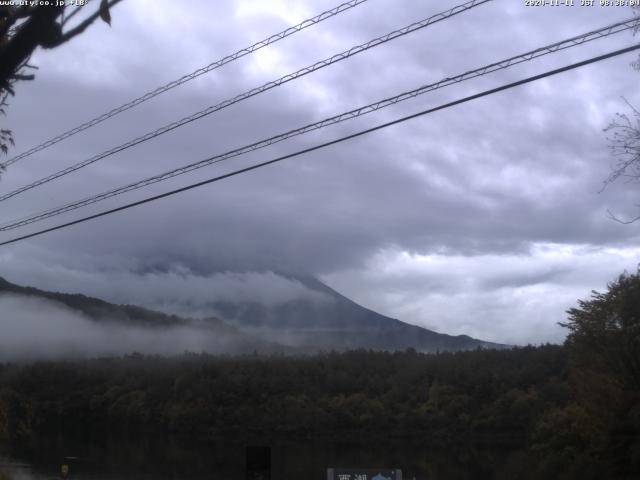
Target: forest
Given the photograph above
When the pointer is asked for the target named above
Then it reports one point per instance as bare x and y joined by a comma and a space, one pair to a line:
574, 409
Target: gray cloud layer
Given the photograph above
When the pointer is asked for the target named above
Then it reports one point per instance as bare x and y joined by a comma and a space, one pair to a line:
489, 181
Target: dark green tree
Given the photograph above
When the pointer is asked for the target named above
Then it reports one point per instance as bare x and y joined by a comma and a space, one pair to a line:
604, 349
604, 332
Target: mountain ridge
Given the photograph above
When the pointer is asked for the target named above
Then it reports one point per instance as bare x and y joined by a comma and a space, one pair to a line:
339, 323
327, 320
223, 338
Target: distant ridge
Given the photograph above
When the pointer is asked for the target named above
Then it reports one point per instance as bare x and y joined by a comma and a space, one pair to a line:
223, 338
97, 309
324, 321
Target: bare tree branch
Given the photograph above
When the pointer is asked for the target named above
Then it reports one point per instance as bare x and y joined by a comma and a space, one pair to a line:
19, 76
10, 15
624, 145
39, 28
26, 27
81, 27
619, 220
73, 13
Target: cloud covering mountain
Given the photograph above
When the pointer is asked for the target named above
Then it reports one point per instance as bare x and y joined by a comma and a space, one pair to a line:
42, 324
483, 219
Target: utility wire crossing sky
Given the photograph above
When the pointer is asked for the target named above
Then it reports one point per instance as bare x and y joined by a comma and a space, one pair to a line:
254, 91
339, 140
482, 220
604, 32
188, 77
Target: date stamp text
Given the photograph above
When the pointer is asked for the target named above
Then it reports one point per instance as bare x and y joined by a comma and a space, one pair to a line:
582, 3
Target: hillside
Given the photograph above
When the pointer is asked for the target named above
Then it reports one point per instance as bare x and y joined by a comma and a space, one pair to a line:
322, 320
333, 321
217, 336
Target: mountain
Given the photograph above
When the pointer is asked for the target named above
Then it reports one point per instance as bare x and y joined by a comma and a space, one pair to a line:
319, 320
215, 335
328, 320
97, 309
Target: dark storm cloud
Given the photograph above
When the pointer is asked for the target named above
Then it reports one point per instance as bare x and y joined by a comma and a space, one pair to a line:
497, 176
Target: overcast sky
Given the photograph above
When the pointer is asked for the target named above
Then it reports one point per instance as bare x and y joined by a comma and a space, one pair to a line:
483, 219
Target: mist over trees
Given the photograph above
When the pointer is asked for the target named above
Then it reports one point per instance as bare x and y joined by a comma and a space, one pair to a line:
572, 410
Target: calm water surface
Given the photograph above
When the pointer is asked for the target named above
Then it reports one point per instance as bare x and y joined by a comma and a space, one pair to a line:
165, 458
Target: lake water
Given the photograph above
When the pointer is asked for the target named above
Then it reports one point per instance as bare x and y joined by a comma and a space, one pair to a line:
165, 458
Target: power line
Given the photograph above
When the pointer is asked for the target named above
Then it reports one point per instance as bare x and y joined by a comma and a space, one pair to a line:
186, 78
250, 93
332, 142
503, 64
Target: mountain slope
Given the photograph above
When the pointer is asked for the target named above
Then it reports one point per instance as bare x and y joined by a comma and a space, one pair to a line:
332, 321
322, 319
97, 309
216, 335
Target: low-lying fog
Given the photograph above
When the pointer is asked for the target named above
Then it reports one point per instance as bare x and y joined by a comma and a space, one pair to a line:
34, 328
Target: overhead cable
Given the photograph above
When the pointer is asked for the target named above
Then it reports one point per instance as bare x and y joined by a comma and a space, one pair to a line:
329, 143
186, 78
503, 64
250, 93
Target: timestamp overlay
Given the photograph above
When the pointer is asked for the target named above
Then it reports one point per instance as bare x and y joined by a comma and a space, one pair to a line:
581, 3
44, 3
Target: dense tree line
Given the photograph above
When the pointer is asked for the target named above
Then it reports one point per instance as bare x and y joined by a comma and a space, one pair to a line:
353, 393
446, 399
574, 409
